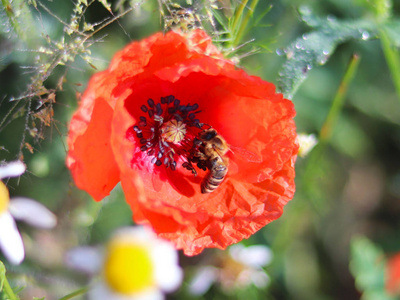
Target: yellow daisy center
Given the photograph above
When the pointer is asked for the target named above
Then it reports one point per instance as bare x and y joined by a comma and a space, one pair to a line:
128, 268
4, 197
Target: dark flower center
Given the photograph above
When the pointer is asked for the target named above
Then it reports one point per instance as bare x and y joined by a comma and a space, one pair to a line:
168, 130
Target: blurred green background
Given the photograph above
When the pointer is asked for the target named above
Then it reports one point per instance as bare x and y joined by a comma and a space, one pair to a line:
348, 187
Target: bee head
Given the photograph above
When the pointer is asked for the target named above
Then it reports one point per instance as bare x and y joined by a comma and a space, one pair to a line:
207, 135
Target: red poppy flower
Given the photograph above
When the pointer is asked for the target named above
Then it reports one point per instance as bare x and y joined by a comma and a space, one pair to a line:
140, 122
392, 282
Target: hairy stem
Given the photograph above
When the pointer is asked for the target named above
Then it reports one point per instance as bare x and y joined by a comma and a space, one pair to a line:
11, 16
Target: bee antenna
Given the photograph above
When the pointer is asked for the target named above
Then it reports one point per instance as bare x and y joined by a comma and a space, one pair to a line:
200, 125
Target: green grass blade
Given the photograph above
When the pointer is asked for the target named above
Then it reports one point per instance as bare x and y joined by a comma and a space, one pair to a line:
76, 293
327, 127
4, 284
392, 59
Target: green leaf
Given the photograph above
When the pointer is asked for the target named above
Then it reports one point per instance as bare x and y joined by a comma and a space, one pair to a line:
315, 48
383, 9
261, 16
2, 275
367, 264
392, 29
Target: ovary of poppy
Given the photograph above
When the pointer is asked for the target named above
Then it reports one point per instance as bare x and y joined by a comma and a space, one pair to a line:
106, 143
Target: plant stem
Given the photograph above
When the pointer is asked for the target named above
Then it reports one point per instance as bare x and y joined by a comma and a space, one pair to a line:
244, 23
8, 290
11, 16
326, 131
392, 60
333, 114
75, 293
237, 20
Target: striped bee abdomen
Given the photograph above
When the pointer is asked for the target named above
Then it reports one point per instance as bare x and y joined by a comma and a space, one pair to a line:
218, 169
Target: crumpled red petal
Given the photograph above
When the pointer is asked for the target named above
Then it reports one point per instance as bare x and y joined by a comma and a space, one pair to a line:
392, 275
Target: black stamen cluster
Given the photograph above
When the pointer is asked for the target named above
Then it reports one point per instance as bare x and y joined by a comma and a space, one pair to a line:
148, 129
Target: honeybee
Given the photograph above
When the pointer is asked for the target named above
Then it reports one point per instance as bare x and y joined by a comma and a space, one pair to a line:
210, 154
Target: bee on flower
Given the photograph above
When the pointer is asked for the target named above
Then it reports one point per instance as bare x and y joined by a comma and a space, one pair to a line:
134, 265
21, 209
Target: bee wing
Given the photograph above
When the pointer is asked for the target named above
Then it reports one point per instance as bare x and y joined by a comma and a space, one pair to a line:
221, 154
246, 155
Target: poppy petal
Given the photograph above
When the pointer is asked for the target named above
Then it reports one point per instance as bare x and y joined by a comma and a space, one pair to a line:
90, 157
32, 212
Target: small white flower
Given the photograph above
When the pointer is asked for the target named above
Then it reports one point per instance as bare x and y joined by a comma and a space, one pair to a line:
22, 209
253, 256
240, 268
136, 264
307, 142
203, 279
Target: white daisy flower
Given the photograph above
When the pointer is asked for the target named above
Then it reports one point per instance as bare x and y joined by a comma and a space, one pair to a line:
307, 142
240, 267
136, 264
253, 258
22, 209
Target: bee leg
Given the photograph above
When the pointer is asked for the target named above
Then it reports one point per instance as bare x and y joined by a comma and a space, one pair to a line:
189, 166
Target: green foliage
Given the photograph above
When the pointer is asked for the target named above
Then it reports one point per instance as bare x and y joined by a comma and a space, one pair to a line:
2, 275
315, 48
6, 292
382, 9
367, 264
392, 28
236, 21
337, 103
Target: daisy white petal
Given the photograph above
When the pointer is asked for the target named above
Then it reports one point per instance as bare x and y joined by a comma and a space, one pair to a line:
100, 291
32, 212
260, 279
168, 274
253, 256
202, 280
84, 259
12, 169
307, 142
10, 240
